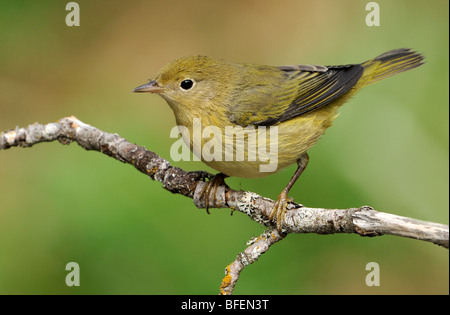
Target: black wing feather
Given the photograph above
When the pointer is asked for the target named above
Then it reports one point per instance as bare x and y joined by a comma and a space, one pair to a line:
318, 91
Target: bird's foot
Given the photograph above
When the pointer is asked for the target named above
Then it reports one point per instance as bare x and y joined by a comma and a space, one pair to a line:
210, 189
279, 210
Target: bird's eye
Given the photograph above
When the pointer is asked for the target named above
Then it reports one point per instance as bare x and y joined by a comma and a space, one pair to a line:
187, 84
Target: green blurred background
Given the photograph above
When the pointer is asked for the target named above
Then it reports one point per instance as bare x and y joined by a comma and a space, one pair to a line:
388, 149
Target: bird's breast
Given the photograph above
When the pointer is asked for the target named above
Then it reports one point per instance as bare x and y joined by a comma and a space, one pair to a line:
252, 151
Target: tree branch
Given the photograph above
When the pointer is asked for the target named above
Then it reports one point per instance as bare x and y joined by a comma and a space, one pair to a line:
364, 221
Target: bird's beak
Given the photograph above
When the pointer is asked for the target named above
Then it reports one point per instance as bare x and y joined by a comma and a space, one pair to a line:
150, 87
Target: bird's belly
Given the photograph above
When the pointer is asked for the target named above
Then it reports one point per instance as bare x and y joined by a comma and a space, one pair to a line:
269, 151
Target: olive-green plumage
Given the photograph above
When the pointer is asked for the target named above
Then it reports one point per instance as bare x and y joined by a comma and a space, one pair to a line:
302, 100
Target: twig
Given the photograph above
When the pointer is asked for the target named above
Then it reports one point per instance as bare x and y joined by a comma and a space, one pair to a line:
256, 248
364, 221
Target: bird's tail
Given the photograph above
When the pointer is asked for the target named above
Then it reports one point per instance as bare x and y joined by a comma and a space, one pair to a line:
390, 63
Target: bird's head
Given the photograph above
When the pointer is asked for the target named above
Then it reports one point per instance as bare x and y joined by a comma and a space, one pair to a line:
192, 82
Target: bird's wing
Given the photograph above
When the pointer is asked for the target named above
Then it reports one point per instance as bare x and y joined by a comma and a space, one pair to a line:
300, 89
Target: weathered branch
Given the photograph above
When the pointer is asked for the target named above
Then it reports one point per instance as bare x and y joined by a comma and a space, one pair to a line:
364, 221
256, 248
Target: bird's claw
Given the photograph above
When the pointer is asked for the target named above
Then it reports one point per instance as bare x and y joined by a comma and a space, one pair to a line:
210, 189
279, 210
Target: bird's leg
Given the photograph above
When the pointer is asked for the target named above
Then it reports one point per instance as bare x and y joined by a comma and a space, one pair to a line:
211, 188
279, 209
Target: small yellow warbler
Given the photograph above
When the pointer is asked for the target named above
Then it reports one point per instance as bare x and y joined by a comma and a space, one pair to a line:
232, 99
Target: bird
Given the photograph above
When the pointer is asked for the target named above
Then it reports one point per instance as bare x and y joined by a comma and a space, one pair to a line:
299, 101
